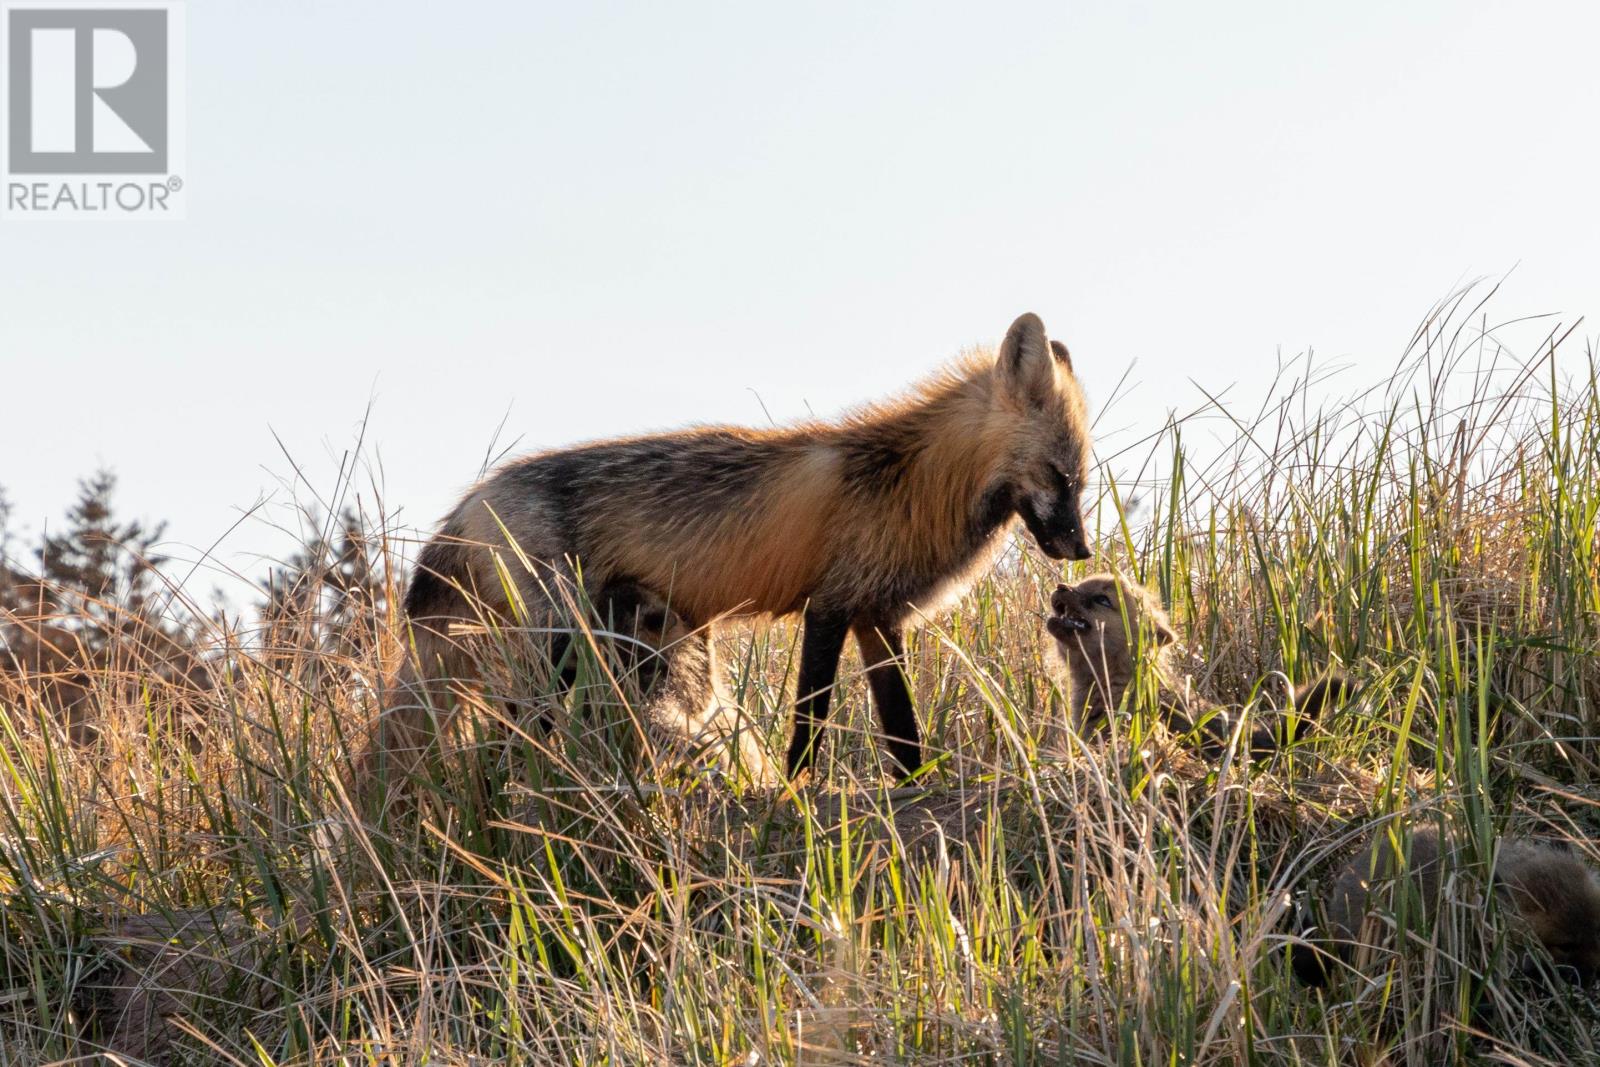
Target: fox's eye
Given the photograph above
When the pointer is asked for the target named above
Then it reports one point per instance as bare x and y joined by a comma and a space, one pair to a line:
1102, 601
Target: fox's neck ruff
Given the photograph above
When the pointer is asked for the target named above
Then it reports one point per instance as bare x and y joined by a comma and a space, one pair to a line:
936, 462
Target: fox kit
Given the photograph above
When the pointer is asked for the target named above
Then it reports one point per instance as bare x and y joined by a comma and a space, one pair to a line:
1103, 623
855, 524
1555, 895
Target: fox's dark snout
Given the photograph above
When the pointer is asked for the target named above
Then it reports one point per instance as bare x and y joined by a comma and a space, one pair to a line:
1064, 629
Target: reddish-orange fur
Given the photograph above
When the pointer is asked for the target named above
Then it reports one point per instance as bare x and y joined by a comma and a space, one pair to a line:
860, 523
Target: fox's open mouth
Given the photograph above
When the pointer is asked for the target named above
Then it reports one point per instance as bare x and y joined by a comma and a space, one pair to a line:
1064, 626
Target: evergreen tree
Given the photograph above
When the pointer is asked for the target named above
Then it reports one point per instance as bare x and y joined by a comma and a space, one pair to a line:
93, 620
327, 595
22, 596
105, 572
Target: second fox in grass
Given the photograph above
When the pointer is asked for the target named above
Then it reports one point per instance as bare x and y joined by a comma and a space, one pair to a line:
1553, 895
856, 524
1104, 625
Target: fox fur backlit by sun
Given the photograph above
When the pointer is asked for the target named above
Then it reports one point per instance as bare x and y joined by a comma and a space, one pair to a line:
860, 523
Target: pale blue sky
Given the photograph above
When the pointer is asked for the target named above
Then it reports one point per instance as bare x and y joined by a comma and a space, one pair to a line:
592, 219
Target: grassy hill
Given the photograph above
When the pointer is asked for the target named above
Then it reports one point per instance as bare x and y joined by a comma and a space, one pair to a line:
196, 883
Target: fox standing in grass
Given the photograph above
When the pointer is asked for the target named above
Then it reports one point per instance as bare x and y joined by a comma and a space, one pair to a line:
857, 524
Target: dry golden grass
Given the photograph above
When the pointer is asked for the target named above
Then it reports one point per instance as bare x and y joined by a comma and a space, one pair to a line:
197, 883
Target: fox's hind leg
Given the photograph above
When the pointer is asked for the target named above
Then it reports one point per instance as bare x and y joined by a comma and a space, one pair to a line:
459, 622
643, 623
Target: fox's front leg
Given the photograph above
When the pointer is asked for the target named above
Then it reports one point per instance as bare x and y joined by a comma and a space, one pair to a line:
883, 654
825, 631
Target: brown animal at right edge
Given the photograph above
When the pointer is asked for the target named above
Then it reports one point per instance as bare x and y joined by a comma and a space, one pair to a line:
1553, 894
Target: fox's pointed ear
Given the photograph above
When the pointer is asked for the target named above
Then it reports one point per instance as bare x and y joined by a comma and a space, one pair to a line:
1164, 635
1026, 362
1063, 357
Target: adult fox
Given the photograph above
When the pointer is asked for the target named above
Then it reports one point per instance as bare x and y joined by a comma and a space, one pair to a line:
859, 524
